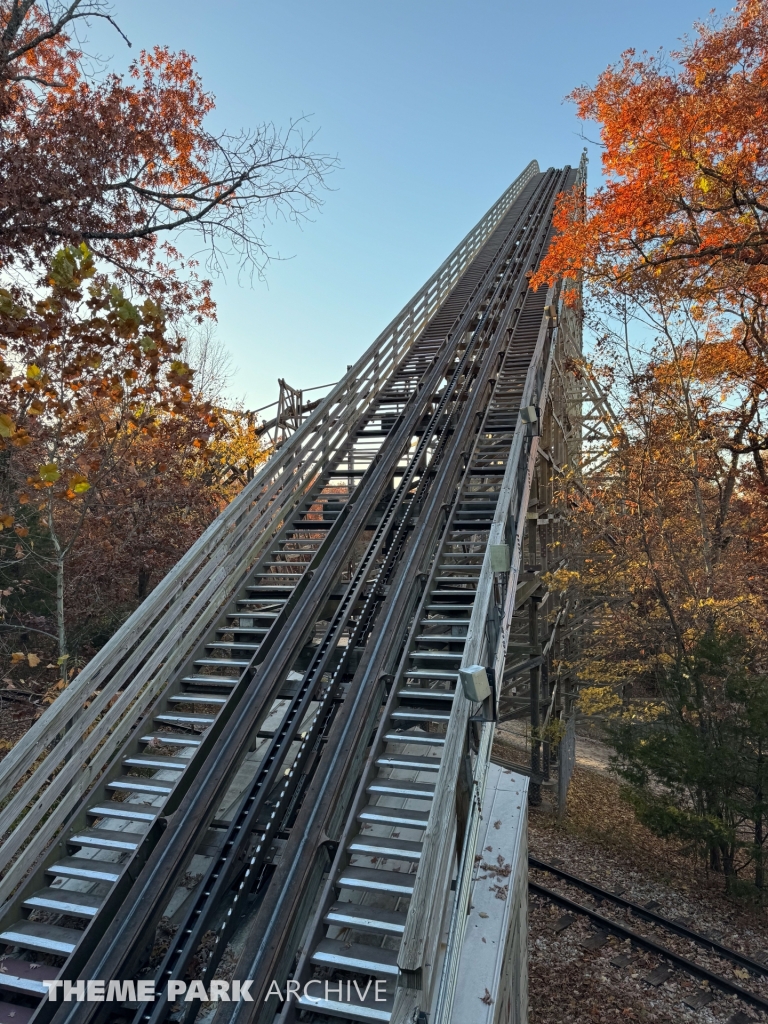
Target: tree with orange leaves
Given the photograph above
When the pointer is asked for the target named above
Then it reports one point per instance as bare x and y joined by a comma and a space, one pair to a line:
100, 407
684, 151
672, 249
122, 164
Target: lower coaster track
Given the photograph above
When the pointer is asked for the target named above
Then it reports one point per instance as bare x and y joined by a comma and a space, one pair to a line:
250, 772
611, 926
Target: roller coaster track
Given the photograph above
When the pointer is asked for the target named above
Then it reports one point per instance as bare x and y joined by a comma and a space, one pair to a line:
271, 764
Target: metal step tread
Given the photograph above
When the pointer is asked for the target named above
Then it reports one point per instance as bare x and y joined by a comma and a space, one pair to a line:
106, 839
178, 718
366, 919
361, 1010
86, 869
356, 957
432, 673
415, 761
128, 812
214, 680
195, 698
133, 784
65, 901
223, 662
423, 738
23, 976
399, 787
420, 693
437, 655
159, 761
387, 848
173, 739
371, 880
233, 645
266, 614
375, 814
416, 715
46, 938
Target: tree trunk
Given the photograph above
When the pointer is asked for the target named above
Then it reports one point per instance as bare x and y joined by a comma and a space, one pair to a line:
60, 627
759, 880
143, 582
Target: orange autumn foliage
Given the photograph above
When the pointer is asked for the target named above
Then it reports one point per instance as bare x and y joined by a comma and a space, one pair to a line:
685, 153
123, 162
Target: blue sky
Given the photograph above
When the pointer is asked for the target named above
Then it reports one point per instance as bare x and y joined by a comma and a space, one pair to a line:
432, 109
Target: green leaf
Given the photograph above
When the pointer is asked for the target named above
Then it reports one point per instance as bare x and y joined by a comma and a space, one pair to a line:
49, 473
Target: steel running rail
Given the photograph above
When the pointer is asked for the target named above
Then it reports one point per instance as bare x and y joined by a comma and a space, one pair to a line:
67, 749
189, 821
228, 629
433, 433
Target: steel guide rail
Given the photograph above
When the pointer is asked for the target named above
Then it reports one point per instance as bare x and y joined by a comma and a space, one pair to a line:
60, 941
431, 895
500, 328
217, 880
103, 703
497, 304
295, 719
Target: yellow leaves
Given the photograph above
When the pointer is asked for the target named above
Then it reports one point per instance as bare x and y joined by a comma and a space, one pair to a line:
598, 700
36, 408
6, 522
49, 473
17, 656
78, 484
561, 579
703, 184
7, 426
33, 660
33, 372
